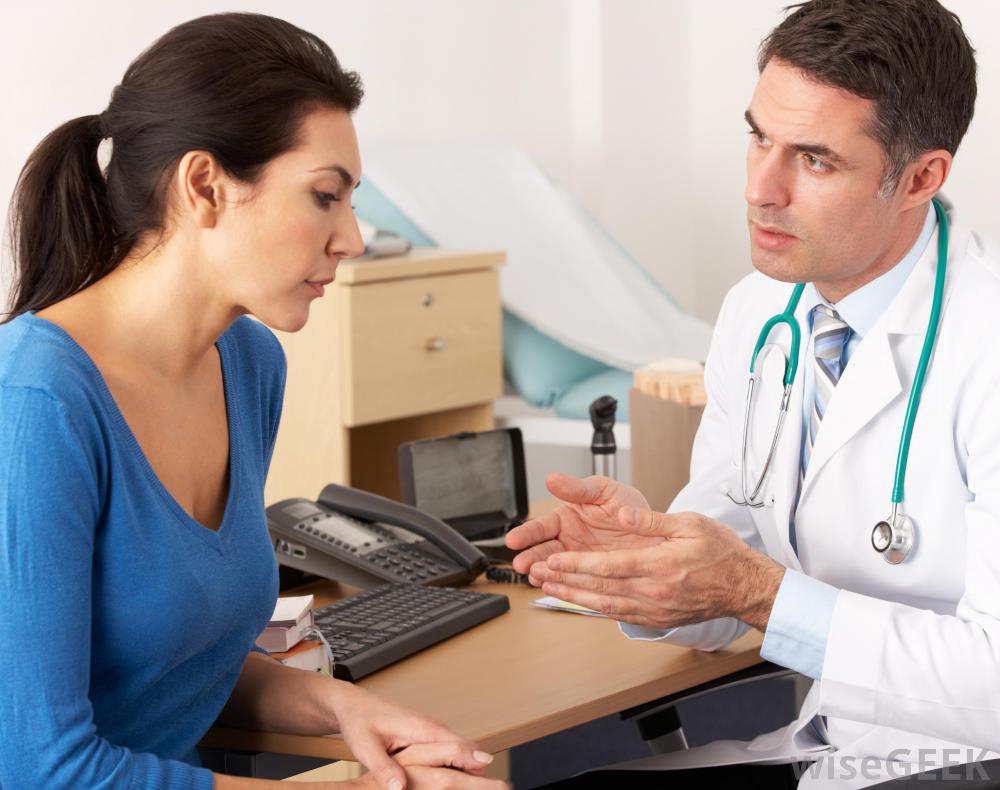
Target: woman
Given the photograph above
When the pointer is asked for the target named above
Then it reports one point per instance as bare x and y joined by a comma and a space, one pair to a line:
138, 412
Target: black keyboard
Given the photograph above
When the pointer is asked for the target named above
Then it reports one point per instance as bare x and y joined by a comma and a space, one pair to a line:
383, 625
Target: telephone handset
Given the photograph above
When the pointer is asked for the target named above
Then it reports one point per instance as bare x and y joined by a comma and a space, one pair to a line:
366, 540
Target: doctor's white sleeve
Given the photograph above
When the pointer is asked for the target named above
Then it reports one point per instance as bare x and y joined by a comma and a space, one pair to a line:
914, 669
711, 474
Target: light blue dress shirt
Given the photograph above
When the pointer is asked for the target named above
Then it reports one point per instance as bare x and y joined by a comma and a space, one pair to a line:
803, 609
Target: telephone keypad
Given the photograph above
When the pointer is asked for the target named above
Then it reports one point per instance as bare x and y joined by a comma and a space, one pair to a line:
408, 563
402, 560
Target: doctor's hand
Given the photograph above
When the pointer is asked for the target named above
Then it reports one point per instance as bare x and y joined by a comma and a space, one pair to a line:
700, 570
588, 521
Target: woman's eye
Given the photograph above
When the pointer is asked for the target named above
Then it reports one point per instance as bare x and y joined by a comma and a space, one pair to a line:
325, 198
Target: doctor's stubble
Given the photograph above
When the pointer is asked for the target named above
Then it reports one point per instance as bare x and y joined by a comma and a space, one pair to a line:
911, 60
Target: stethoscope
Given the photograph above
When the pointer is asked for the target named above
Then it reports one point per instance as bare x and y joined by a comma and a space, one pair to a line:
893, 538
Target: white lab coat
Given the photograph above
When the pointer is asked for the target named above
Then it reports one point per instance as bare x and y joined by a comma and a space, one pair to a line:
913, 653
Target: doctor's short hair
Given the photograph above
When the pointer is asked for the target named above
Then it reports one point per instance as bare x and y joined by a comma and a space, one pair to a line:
911, 58
237, 85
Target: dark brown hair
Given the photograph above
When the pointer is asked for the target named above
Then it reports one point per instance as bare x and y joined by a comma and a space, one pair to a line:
909, 57
235, 85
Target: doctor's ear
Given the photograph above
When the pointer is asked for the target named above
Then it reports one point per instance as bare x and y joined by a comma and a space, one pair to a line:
202, 188
923, 178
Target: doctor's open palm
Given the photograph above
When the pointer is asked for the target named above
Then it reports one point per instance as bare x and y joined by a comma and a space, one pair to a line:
588, 520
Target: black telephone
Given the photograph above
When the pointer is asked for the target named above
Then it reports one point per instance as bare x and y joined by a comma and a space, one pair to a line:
366, 540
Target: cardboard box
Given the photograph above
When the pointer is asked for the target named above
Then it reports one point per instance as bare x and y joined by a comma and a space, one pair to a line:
662, 438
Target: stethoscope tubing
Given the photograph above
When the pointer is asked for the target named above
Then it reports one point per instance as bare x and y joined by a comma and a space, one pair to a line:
925, 357
787, 317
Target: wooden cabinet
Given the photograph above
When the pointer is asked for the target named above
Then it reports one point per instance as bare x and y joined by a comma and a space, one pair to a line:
399, 349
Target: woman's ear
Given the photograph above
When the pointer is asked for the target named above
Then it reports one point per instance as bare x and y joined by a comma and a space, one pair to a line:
200, 187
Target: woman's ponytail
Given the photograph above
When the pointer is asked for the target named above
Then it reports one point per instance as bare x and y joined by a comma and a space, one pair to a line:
61, 230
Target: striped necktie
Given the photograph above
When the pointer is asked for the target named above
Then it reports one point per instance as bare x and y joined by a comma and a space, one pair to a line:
830, 335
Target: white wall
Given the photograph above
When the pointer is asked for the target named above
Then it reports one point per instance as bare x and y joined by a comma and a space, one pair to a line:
636, 105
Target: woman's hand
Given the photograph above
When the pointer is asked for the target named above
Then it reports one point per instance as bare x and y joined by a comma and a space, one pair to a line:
588, 521
438, 766
374, 728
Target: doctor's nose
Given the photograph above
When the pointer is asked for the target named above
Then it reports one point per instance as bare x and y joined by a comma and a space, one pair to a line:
766, 181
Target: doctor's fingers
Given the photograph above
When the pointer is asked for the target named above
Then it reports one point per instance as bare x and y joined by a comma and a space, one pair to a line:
645, 604
654, 594
593, 490
617, 564
524, 561
533, 531
617, 607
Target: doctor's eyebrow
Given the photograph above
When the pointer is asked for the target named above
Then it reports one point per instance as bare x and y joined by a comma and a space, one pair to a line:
813, 149
343, 172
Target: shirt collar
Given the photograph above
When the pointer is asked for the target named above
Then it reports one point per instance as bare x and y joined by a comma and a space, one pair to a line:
862, 308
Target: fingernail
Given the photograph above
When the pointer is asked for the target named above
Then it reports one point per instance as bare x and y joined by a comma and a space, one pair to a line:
395, 784
631, 516
483, 757
555, 563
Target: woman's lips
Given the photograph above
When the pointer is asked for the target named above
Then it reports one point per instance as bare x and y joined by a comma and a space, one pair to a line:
317, 285
771, 239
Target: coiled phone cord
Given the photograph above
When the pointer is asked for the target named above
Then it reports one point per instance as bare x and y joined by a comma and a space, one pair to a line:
504, 573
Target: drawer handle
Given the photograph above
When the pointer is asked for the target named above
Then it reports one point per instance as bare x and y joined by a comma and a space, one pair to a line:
428, 299
435, 344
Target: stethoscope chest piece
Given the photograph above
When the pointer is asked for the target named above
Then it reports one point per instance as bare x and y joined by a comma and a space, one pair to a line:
894, 538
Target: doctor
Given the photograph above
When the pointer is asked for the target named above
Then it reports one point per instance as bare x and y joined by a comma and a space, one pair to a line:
856, 116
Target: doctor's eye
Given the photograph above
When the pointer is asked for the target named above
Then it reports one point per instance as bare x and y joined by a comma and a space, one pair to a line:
325, 198
758, 137
814, 164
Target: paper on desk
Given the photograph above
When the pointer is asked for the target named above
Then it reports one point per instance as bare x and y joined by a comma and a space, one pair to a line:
796, 748
791, 743
548, 602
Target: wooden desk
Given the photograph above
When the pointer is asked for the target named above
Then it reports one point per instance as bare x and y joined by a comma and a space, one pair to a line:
518, 677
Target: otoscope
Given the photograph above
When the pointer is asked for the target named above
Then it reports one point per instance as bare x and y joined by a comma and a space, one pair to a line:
602, 446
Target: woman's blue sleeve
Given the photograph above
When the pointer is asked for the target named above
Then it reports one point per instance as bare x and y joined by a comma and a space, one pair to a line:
50, 473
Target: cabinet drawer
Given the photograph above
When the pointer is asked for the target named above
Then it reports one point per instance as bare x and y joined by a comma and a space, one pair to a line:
421, 345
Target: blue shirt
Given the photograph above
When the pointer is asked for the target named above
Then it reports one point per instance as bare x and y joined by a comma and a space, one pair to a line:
125, 623
803, 609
